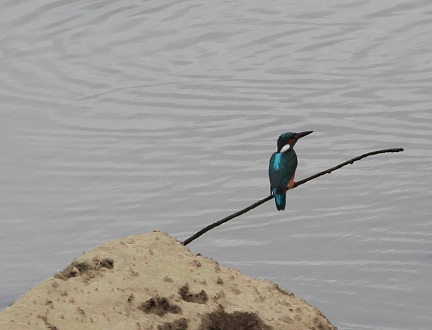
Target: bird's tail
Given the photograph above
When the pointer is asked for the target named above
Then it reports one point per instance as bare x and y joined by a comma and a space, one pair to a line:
280, 199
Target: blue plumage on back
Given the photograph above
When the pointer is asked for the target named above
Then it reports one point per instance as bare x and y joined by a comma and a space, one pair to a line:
282, 167
281, 170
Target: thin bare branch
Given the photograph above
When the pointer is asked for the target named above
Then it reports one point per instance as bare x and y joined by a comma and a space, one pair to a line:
298, 183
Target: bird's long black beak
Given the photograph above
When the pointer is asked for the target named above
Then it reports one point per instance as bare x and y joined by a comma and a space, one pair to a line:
300, 135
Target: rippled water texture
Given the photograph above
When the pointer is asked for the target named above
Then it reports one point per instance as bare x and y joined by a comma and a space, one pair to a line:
120, 117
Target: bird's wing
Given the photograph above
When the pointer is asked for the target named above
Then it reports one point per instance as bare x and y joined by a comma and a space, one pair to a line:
281, 169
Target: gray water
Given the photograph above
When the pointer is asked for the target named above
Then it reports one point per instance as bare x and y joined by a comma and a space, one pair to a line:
121, 117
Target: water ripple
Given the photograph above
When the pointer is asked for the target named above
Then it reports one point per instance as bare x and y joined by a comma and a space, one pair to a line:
126, 116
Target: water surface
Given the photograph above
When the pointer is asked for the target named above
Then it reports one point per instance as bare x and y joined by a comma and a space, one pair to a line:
120, 117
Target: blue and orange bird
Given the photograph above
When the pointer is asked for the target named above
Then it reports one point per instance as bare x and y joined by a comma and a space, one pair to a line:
282, 167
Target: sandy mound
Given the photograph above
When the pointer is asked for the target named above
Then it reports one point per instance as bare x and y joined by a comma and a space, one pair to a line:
152, 281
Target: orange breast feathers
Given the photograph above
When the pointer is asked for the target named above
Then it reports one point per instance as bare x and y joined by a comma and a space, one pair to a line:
291, 182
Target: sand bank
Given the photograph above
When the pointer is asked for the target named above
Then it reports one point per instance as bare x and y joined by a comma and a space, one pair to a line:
152, 281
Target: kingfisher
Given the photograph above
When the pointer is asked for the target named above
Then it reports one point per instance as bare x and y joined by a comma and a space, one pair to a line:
282, 167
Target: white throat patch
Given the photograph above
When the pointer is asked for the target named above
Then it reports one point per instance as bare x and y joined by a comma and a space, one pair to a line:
285, 148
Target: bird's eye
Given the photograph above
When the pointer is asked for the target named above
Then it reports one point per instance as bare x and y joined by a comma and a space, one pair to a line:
285, 147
